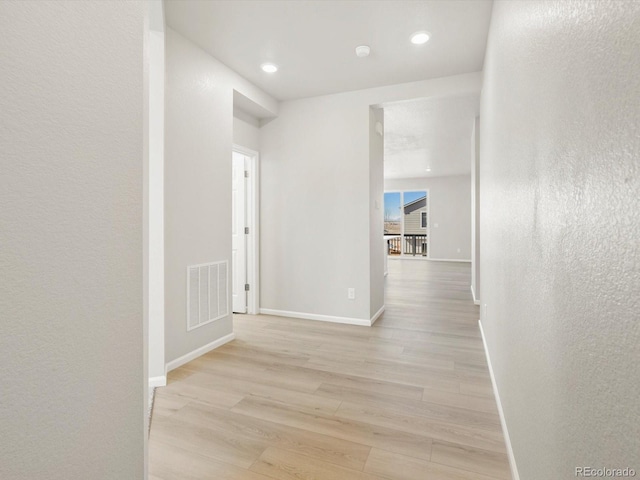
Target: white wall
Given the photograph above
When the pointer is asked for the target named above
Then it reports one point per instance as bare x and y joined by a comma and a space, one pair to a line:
315, 198
314, 212
246, 131
475, 210
198, 145
449, 200
376, 211
71, 228
155, 179
560, 218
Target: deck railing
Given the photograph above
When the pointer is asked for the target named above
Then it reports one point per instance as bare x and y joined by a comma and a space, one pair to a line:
413, 245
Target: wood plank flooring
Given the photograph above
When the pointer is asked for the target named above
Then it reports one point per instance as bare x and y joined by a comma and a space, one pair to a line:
407, 399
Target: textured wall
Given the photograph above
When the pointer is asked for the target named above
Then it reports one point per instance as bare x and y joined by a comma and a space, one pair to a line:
560, 218
72, 405
198, 140
475, 209
156, 200
198, 145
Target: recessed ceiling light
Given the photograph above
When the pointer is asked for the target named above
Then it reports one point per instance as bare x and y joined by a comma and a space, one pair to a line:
363, 51
428, 169
269, 68
419, 38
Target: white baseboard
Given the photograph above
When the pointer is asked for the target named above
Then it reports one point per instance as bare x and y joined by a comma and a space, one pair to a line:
427, 259
160, 381
178, 362
314, 316
449, 260
421, 258
503, 422
377, 315
473, 294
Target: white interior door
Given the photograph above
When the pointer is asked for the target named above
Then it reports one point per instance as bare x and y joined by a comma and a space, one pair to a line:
239, 239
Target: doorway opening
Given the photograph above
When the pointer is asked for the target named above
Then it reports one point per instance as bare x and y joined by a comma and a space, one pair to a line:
244, 231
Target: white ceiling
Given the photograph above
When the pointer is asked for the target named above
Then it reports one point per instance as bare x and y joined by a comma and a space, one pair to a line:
313, 42
434, 132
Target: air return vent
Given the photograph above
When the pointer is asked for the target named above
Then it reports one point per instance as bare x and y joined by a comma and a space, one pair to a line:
207, 293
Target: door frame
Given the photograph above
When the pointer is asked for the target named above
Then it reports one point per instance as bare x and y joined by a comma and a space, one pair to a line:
252, 202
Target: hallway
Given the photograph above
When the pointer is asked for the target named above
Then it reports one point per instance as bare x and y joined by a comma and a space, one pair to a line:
409, 398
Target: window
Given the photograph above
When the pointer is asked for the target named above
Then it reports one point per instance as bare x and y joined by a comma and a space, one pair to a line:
405, 222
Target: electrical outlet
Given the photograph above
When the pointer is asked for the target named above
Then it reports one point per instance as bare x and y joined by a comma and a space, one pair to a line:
351, 293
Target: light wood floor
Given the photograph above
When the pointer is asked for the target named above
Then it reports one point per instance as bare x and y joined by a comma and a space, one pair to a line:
409, 398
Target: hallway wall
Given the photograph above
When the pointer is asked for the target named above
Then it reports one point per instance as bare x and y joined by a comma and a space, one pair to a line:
72, 130
316, 201
560, 217
376, 209
198, 144
155, 208
475, 210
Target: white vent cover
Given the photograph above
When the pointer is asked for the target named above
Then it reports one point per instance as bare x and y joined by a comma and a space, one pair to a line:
207, 293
